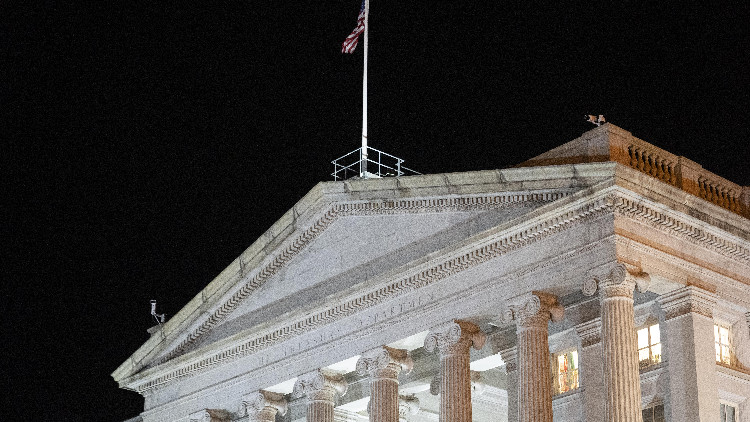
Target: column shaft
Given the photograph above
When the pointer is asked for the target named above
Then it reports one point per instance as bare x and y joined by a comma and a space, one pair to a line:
532, 313
383, 364
454, 340
620, 348
534, 376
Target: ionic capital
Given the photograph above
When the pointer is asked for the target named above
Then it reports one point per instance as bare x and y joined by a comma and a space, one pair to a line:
319, 385
263, 403
590, 332
534, 309
454, 337
510, 357
619, 282
210, 415
384, 362
688, 299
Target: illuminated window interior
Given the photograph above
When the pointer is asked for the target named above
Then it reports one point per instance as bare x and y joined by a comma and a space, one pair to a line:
721, 337
566, 371
649, 346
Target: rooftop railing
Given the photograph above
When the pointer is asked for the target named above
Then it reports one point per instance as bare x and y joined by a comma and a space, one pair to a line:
373, 164
612, 143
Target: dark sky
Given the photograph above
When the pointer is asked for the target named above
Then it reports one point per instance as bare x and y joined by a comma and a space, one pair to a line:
148, 144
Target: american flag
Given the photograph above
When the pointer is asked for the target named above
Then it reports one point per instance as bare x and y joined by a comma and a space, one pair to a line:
351, 41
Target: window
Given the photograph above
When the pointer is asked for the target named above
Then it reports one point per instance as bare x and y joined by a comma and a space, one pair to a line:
566, 371
649, 346
653, 414
727, 413
721, 340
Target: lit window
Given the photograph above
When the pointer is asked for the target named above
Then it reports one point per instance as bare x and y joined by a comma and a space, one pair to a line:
653, 414
649, 346
721, 340
566, 371
727, 413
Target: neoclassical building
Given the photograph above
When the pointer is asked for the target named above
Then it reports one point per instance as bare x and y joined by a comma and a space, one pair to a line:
605, 280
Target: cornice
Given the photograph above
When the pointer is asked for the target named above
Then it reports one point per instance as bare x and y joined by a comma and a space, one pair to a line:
549, 222
338, 210
500, 244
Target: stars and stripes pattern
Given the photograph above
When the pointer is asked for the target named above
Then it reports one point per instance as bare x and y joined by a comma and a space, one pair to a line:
351, 41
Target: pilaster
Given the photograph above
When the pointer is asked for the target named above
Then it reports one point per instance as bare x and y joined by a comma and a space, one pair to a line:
510, 357
453, 341
592, 369
690, 354
320, 388
383, 364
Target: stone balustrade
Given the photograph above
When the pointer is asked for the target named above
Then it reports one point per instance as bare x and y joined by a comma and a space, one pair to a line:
611, 143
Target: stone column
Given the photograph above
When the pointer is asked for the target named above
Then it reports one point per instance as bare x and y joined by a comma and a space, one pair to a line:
262, 406
321, 389
622, 382
453, 341
591, 369
511, 369
532, 314
691, 354
383, 365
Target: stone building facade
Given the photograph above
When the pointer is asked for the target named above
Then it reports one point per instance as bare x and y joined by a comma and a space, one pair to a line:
605, 280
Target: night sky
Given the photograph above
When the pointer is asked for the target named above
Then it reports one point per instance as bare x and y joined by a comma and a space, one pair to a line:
148, 144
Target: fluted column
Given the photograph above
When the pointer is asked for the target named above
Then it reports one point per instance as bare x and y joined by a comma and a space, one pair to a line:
510, 357
453, 341
321, 389
691, 355
592, 371
262, 406
619, 344
383, 364
532, 314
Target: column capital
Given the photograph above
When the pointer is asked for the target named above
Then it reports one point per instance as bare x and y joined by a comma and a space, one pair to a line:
590, 332
254, 404
209, 415
320, 385
618, 282
688, 299
385, 362
454, 337
533, 309
510, 357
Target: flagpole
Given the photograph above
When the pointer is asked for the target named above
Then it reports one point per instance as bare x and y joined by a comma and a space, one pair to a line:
363, 151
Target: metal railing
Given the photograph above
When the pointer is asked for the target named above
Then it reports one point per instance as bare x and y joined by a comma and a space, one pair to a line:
355, 164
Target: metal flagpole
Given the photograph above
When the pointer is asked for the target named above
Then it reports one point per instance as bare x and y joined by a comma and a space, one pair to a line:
363, 151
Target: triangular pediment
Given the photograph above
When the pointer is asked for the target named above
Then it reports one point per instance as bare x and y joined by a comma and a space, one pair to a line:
344, 233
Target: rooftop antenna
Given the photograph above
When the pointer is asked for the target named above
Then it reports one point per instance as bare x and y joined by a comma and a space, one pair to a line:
158, 317
595, 120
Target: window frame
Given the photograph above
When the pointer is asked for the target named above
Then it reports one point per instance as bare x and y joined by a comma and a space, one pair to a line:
734, 406
650, 346
720, 357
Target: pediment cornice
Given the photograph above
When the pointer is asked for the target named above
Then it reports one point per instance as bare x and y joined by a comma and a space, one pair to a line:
546, 220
